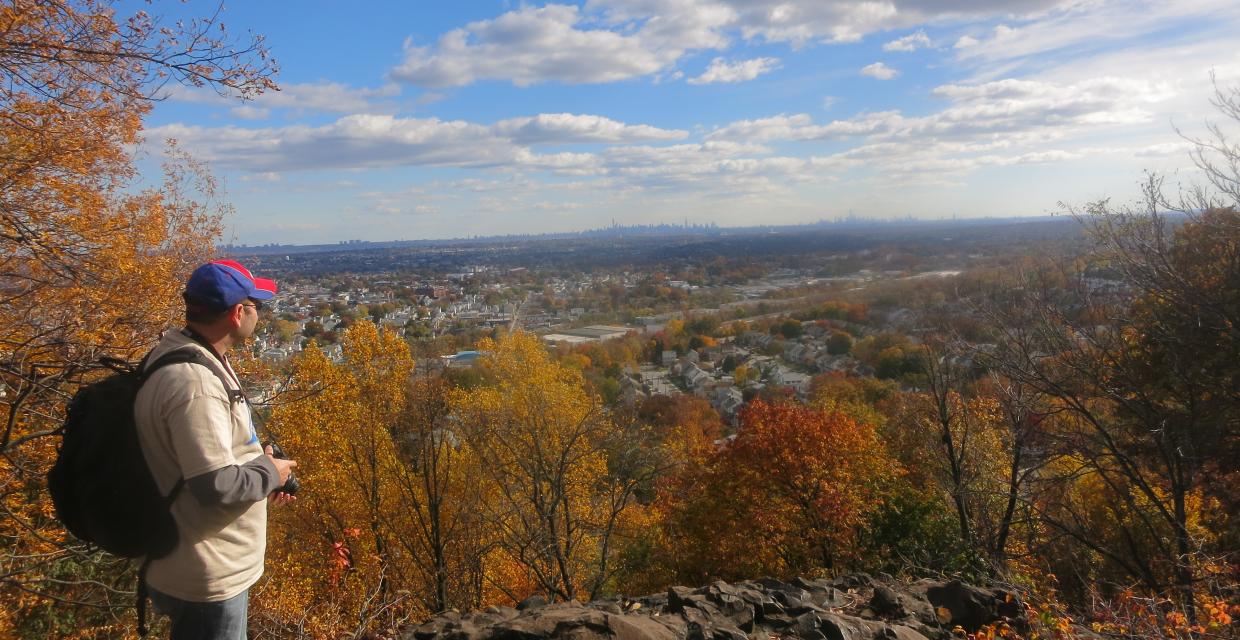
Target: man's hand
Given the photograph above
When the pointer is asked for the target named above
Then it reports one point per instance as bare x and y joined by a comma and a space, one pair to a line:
279, 498
284, 467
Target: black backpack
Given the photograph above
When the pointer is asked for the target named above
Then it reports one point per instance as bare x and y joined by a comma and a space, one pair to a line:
100, 484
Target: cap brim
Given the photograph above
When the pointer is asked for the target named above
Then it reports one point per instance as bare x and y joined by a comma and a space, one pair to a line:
264, 289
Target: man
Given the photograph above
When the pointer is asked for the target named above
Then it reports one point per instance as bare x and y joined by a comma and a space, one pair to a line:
195, 424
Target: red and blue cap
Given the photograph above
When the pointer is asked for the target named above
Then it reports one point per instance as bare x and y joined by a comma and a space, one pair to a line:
220, 284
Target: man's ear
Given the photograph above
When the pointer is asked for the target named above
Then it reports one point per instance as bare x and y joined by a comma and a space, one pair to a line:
237, 314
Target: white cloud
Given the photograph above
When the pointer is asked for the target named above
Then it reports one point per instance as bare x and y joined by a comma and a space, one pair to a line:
266, 176
1091, 25
554, 128
1164, 149
801, 127
1005, 108
539, 44
248, 112
614, 40
909, 43
351, 142
741, 71
360, 141
965, 42
331, 97
833, 21
992, 124
401, 207
879, 71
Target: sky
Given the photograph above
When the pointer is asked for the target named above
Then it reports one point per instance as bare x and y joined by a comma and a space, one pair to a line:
423, 120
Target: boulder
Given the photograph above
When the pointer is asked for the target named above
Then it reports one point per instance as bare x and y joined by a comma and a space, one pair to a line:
957, 603
886, 603
858, 607
841, 628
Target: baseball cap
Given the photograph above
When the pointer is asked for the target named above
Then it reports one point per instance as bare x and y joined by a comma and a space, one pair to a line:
222, 283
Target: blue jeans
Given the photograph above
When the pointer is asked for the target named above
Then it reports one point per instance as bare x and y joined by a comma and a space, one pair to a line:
223, 620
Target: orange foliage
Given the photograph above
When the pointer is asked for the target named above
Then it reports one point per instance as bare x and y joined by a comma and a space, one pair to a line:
802, 480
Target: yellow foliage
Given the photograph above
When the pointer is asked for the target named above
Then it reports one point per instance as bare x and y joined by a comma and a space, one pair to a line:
89, 265
332, 557
541, 439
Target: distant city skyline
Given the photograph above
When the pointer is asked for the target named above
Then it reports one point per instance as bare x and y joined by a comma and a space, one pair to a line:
845, 223
450, 120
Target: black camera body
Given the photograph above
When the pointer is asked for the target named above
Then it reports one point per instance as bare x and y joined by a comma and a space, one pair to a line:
292, 484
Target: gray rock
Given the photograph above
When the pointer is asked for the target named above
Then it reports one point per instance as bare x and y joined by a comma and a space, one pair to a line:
901, 632
969, 606
625, 627
728, 632
812, 584
846, 608
841, 628
571, 621
886, 603
678, 598
531, 602
771, 608
771, 584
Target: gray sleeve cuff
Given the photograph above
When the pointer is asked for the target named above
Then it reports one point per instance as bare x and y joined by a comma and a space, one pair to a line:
236, 484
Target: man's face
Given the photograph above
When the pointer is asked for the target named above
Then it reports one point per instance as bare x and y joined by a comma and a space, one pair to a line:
249, 319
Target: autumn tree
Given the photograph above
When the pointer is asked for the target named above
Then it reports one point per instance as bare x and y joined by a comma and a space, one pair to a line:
441, 498
804, 482
857, 398
77, 82
336, 555
559, 487
683, 425
1140, 381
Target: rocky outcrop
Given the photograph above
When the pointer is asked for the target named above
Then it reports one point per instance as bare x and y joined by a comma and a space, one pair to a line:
855, 607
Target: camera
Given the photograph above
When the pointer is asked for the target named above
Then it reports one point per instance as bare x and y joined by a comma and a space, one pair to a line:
292, 484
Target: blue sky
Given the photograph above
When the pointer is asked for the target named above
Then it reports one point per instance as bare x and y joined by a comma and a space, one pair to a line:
409, 120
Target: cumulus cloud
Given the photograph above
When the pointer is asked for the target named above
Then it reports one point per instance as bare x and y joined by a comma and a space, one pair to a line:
909, 43
879, 71
740, 71
558, 128
331, 97
249, 112
996, 123
800, 127
978, 112
614, 40
832, 21
988, 124
1014, 105
266, 176
540, 44
360, 141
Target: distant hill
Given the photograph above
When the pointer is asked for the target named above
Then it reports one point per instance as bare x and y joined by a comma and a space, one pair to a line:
646, 231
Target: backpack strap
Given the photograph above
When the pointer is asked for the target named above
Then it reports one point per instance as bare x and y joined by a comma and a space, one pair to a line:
187, 355
176, 356
143, 593
181, 356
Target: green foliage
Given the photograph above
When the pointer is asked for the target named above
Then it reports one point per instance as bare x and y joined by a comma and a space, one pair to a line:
790, 329
913, 532
839, 343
